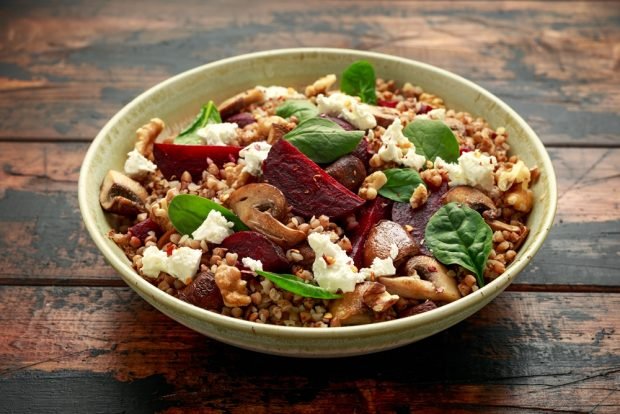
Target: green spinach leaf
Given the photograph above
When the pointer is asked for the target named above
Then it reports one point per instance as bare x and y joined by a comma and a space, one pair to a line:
457, 234
297, 286
188, 211
432, 139
401, 182
302, 109
322, 140
208, 115
359, 80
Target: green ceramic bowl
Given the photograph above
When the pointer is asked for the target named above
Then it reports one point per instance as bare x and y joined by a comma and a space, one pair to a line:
177, 100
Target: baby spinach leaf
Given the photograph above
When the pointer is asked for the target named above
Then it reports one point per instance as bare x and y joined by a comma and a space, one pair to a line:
302, 109
432, 138
188, 211
401, 182
208, 115
359, 80
297, 286
322, 140
457, 234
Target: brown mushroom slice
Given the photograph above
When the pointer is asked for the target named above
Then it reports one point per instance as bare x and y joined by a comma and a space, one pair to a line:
121, 195
260, 206
473, 198
240, 101
381, 238
355, 308
384, 115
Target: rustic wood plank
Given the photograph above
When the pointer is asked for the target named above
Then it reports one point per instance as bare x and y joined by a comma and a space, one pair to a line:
38, 207
556, 63
63, 347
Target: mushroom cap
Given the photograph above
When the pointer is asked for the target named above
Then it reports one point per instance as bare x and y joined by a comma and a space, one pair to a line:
426, 279
473, 198
381, 238
121, 195
242, 100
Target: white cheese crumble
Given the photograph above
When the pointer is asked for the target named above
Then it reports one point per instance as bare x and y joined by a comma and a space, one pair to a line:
354, 112
252, 264
517, 173
381, 267
182, 264
218, 134
275, 92
253, 155
437, 114
397, 148
137, 165
214, 229
338, 273
473, 169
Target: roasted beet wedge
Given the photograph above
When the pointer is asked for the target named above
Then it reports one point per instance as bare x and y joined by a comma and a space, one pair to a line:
174, 159
141, 229
372, 213
258, 247
308, 189
403, 214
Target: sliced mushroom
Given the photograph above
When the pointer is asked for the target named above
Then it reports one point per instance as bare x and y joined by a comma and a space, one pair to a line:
240, 101
261, 207
384, 115
348, 171
427, 279
121, 195
473, 198
381, 238
355, 308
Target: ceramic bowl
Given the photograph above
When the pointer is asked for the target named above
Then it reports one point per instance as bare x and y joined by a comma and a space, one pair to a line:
177, 99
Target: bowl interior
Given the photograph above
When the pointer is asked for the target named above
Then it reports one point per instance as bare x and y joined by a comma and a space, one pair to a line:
179, 98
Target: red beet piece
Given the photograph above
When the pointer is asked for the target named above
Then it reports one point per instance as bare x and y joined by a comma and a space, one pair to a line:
403, 214
258, 247
308, 189
372, 213
362, 152
174, 159
203, 292
389, 104
141, 230
242, 119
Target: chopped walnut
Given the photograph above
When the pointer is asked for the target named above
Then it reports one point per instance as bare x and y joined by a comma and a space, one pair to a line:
146, 135
519, 198
432, 177
371, 185
377, 298
321, 85
272, 128
158, 211
233, 288
419, 196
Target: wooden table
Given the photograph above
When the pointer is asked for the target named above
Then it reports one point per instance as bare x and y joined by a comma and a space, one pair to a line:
74, 338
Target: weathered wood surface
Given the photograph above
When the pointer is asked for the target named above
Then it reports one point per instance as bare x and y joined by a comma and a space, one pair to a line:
72, 65
524, 352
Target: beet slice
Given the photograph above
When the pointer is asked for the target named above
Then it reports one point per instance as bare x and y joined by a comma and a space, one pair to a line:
141, 229
372, 213
403, 214
242, 119
174, 159
363, 152
308, 189
203, 292
258, 247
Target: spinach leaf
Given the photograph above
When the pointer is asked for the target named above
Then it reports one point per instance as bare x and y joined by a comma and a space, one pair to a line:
359, 80
208, 115
457, 234
188, 211
323, 140
302, 109
297, 286
433, 138
401, 182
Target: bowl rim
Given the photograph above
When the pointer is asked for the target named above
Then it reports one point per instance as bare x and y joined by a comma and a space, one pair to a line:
134, 280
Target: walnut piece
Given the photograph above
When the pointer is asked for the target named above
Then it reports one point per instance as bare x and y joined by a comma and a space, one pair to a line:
418, 197
146, 135
321, 85
377, 298
233, 288
371, 185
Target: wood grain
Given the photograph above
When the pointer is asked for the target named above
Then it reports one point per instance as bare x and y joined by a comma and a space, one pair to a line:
522, 353
72, 65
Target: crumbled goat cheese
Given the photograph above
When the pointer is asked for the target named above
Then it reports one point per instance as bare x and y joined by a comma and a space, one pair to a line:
354, 112
381, 267
183, 263
473, 169
517, 173
214, 229
154, 261
438, 114
332, 267
252, 264
253, 156
218, 134
397, 148
275, 92
137, 165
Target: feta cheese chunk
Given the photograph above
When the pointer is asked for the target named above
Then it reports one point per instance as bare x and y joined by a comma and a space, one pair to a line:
473, 169
397, 148
184, 263
214, 229
354, 112
275, 92
332, 268
153, 262
252, 264
253, 155
381, 267
137, 165
218, 134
